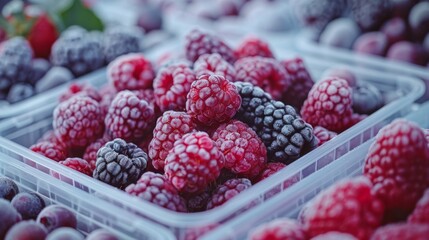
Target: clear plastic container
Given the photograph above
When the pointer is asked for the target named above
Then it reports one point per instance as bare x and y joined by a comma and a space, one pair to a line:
304, 42
9, 110
22, 131
289, 202
92, 213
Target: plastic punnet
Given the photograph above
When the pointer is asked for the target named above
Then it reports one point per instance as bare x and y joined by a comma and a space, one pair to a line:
92, 213
20, 132
289, 202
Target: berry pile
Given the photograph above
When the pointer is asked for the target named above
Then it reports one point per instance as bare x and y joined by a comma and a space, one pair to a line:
37, 56
189, 136
397, 30
390, 200
25, 215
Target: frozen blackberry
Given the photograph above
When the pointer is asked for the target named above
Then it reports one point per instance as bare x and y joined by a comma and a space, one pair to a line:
119, 41
78, 50
120, 163
284, 133
251, 97
15, 62
318, 13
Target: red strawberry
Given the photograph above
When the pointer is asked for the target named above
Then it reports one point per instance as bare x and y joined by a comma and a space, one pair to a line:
348, 206
42, 36
398, 166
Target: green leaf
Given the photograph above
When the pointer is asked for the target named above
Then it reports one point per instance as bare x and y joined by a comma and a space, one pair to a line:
77, 14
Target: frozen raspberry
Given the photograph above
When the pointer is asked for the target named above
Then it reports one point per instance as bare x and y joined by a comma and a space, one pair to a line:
198, 43
398, 165
323, 135
334, 236
78, 164
78, 121
156, 189
193, 163
82, 89
301, 82
244, 152
370, 14
106, 99
15, 62
171, 86
78, 50
198, 203
228, 190
121, 40
278, 229
212, 100
149, 96
214, 64
318, 13
421, 211
131, 72
49, 136
128, 116
50, 150
343, 73
90, 154
171, 126
348, 206
252, 47
270, 169
401, 231
329, 105
120, 163
265, 73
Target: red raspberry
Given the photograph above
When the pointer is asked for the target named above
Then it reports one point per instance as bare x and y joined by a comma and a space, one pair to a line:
171, 86
301, 82
279, 229
155, 188
50, 150
401, 231
212, 100
214, 64
347, 206
245, 153
49, 136
270, 169
334, 236
323, 135
252, 47
170, 127
421, 211
329, 105
228, 190
149, 96
131, 72
398, 165
90, 154
128, 116
198, 43
266, 73
78, 164
107, 96
193, 163
82, 89
78, 121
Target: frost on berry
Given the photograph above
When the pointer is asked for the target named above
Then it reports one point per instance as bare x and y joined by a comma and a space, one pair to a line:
210, 64
193, 163
212, 100
278, 229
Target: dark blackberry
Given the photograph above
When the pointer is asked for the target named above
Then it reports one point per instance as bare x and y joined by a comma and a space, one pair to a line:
251, 97
15, 62
119, 163
120, 41
284, 133
78, 50
39, 68
318, 13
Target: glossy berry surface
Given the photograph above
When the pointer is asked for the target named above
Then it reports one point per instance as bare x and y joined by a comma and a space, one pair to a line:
55, 216
65, 233
8, 217
8, 188
29, 205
